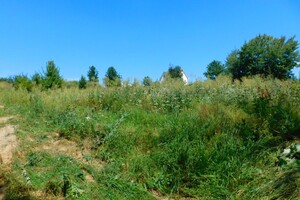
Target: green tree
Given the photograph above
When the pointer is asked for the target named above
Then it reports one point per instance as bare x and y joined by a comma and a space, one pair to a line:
82, 83
266, 56
214, 69
93, 74
147, 81
112, 78
175, 72
22, 82
52, 78
36, 79
233, 65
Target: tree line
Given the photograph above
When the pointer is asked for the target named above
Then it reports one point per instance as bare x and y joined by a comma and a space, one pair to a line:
264, 55
51, 78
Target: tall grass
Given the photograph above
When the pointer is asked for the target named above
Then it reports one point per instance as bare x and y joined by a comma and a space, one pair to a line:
210, 140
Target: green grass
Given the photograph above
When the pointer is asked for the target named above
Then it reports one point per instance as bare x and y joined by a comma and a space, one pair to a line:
208, 140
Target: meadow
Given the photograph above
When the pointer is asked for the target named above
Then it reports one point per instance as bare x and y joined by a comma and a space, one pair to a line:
215, 139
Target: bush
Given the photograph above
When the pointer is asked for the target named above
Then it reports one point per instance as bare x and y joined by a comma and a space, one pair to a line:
22, 82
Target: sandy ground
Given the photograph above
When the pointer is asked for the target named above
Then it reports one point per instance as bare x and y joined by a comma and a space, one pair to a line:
8, 144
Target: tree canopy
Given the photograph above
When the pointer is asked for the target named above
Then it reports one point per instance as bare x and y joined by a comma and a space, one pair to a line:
112, 74
147, 81
52, 77
22, 82
82, 83
214, 69
93, 74
112, 77
266, 56
175, 72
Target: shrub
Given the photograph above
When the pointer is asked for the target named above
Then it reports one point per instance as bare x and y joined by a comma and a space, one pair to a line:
22, 82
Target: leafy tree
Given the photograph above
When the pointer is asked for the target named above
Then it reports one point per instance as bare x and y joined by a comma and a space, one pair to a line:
233, 65
22, 82
175, 72
93, 74
266, 56
112, 78
147, 81
37, 79
214, 69
52, 78
82, 83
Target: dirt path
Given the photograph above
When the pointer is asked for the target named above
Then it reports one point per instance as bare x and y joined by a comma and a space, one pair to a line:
8, 144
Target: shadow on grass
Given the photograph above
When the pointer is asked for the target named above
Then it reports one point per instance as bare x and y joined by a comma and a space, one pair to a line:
287, 186
11, 189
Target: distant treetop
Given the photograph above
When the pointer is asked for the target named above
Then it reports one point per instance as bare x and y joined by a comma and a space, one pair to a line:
214, 69
264, 55
93, 74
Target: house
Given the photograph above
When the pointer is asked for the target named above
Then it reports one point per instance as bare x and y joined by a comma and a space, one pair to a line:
184, 77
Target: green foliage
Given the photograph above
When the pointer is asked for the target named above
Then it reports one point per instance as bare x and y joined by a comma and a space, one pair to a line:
175, 72
8, 80
112, 74
82, 83
214, 69
147, 81
209, 140
233, 65
37, 79
74, 122
264, 55
61, 180
22, 82
112, 78
52, 78
93, 74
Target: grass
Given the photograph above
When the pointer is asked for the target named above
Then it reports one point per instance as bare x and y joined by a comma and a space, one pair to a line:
208, 140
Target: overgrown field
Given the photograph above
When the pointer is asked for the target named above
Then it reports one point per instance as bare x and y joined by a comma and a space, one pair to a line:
207, 140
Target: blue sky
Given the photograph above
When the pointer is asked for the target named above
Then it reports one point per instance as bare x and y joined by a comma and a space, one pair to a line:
138, 37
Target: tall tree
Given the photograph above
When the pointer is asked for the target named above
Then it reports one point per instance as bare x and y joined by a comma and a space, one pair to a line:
52, 78
112, 77
214, 69
266, 56
93, 74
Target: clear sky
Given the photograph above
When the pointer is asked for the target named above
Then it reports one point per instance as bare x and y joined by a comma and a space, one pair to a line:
138, 37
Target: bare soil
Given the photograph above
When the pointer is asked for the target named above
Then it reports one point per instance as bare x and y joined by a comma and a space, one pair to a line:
8, 144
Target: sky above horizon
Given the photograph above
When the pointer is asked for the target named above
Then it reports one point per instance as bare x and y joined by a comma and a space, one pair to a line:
138, 37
